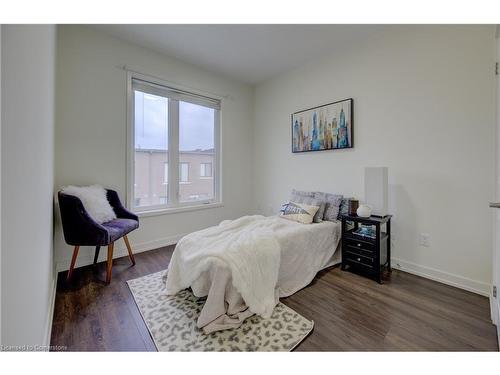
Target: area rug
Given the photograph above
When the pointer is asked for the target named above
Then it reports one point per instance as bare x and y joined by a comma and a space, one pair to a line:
171, 321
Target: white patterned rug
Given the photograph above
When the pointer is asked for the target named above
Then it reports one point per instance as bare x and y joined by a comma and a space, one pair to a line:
171, 320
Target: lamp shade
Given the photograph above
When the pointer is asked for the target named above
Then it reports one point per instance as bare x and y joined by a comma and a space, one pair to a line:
376, 182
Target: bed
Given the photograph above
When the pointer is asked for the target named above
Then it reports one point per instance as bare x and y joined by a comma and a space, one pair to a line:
244, 266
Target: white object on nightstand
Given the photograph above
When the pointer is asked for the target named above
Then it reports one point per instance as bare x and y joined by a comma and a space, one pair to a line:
376, 182
364, 211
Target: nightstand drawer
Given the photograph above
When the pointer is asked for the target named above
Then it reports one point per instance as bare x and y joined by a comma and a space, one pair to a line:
361, 259
355, 244
360, 251
365, 268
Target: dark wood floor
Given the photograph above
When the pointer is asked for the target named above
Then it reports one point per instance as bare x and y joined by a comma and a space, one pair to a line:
350, 312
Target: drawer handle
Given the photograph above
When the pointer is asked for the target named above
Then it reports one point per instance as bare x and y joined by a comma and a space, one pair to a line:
358, 245
359, 259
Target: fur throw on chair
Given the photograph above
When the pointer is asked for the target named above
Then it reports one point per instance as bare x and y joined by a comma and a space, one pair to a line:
94, 200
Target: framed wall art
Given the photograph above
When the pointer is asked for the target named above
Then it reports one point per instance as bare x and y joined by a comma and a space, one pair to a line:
326, 127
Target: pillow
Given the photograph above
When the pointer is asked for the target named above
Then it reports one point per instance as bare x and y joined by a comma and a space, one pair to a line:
300, 212
94, 200
321, 212
309, 198
332, 209
344, 206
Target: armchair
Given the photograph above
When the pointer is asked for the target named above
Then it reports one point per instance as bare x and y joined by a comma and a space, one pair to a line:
81, 230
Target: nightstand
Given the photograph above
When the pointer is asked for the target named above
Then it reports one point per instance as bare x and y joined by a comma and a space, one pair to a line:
366, 256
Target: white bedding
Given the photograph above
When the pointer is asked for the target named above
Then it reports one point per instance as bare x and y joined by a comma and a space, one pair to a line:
305, 250
246, 246
242, 266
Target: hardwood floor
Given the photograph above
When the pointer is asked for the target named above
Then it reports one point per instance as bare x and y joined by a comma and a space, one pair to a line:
350, 312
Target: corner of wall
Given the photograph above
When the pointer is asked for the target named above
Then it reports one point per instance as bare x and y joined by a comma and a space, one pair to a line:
0, 184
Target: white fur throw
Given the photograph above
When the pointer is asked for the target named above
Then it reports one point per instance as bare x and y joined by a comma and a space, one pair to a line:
246, 246
94, 201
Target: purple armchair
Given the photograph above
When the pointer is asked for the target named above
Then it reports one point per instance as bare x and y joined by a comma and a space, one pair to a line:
81, 230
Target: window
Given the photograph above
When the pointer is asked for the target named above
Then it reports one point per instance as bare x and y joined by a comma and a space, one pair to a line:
196, 145
184, 172
170, 126
206, 170
150, 148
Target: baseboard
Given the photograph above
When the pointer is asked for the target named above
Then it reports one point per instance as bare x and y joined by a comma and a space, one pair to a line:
457, 281
87, 257
495, 310
50, 315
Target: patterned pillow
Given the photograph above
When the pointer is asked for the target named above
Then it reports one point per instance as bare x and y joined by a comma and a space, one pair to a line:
300, 212
310, 198
332, 209
344, 206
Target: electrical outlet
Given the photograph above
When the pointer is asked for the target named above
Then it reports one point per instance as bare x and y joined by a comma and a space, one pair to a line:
425, 239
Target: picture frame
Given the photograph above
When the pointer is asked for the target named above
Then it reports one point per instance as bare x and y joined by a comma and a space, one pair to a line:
325, 127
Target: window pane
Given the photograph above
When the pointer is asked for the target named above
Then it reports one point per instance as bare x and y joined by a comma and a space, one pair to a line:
206, 170
184, 172
151, 149
196, 147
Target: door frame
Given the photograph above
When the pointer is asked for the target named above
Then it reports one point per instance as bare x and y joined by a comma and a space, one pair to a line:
495, 301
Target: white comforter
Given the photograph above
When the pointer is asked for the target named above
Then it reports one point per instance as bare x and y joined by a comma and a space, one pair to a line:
243, 266
247, 246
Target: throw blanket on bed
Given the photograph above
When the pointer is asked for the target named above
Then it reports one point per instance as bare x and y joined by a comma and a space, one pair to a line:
246, 246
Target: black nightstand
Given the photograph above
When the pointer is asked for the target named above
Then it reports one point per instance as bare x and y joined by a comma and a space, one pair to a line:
366, 256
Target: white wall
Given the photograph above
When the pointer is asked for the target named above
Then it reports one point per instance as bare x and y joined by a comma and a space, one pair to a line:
28, 64
424, 106
91, 131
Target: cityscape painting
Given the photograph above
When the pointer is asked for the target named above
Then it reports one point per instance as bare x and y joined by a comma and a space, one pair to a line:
327, 127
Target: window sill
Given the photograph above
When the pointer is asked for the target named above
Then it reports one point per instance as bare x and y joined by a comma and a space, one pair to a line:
174, 210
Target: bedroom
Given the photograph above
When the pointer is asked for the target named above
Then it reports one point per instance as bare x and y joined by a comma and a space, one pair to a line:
202, 132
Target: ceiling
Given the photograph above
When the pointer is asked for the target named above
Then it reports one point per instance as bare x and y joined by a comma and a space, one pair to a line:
246, 53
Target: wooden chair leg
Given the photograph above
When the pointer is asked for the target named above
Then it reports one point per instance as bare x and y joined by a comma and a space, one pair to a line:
73, 261
96, 255
129, 248
110, 262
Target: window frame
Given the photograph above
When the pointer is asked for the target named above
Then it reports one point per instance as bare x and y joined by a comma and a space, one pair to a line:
178, 93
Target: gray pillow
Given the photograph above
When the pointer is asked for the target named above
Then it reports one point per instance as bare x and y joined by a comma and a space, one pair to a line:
309, 197
322, 197
332, 208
